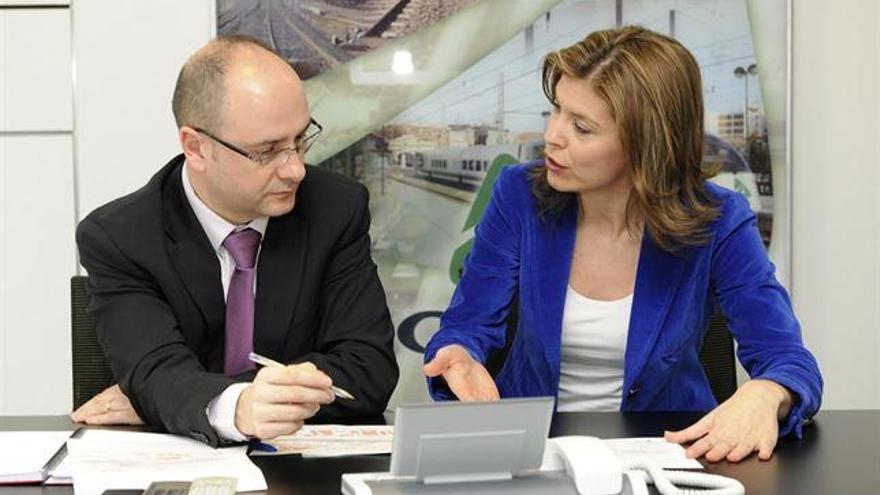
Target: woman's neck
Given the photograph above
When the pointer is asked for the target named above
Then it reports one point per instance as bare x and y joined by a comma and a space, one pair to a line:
605, 211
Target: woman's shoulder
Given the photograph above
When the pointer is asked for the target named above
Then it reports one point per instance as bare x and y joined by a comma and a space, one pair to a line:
516, 180
733, 208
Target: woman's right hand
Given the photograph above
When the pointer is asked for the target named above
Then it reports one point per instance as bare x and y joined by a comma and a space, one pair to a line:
467, 378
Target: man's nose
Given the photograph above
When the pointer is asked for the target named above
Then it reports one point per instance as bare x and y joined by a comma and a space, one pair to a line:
294, 169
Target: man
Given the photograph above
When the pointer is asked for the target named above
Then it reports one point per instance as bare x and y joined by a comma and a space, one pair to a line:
237, 246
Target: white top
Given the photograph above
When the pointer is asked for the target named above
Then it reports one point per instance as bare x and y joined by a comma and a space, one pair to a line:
221, 410
591, 356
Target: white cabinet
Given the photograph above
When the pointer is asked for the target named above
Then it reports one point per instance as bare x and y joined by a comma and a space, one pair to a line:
36, 93
127, 54
37, 218
37, 258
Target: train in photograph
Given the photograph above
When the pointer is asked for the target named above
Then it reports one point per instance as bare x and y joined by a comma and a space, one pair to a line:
466, 167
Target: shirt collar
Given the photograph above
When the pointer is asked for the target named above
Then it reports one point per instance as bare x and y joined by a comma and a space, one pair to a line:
215, 227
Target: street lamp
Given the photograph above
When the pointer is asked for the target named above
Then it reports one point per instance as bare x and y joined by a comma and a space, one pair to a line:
744, 73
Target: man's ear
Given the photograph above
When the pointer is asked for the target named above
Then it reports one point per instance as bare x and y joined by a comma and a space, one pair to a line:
193, 147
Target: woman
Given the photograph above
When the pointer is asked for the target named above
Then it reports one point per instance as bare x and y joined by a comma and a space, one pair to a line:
618, 250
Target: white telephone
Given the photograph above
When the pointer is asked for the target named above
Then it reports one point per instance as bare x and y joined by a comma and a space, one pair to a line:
596, 470
502, 447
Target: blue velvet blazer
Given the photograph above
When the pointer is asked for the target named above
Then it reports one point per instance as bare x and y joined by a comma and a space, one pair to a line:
516, 251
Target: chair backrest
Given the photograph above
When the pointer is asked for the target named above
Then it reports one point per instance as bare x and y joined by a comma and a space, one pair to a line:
718, 358
91, 373
716, 355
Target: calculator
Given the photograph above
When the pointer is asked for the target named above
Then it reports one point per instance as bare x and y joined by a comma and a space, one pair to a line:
200, 486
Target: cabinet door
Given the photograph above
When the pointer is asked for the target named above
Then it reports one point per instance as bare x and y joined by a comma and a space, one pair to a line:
36, 92
37, 259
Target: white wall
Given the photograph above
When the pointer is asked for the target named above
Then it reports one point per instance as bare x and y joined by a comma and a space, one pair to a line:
127, 55
85, 116
836, 194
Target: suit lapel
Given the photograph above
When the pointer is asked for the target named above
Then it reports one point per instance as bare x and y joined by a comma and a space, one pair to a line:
279, 272
657, 278
191, 253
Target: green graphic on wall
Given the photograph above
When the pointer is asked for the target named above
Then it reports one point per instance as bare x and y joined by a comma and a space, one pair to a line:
476, 213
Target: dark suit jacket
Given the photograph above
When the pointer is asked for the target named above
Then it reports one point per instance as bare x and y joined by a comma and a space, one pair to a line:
157, 298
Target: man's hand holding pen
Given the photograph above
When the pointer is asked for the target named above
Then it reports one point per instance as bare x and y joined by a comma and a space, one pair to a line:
280, 399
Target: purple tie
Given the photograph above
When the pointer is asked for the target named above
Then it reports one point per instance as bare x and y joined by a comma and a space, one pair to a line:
242, 245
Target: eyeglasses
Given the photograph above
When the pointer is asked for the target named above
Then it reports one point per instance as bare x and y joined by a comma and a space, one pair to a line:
278, 157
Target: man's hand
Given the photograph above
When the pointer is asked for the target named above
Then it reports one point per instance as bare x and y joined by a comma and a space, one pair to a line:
744, 423
110, 407
467, 378
280, 399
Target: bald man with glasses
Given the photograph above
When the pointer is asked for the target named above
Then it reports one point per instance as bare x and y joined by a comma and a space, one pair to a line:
237, 246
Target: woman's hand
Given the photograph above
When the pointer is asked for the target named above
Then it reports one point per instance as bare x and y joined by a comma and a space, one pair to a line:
745, 423
467, 378
110, 407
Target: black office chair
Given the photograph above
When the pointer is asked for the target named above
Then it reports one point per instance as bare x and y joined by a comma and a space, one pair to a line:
716, 355
91, 373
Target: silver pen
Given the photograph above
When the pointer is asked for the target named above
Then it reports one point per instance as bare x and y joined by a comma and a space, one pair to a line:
264, 361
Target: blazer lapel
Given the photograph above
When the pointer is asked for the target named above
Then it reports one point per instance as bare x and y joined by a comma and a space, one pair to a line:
554, 250
657, 278
191, 253
279, 271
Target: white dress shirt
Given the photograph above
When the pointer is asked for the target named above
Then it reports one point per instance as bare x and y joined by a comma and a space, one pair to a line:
221, 410
593, 345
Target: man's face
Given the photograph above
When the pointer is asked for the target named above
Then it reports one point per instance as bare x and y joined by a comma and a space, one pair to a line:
264, 112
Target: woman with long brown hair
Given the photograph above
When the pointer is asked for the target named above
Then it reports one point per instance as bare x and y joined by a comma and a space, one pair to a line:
618, 250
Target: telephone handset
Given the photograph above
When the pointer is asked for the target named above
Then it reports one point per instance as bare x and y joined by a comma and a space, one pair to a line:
590, 464
596, 470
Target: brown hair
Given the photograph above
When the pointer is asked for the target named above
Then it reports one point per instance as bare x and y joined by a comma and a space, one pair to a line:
652, 86
200, 89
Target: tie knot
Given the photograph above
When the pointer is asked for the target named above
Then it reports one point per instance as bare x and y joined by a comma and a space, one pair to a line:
242, 245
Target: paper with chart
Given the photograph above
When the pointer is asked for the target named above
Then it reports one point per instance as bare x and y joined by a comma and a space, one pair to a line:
105, 459
334, 440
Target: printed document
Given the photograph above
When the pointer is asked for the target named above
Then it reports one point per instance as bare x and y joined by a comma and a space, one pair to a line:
104, 459
333, 440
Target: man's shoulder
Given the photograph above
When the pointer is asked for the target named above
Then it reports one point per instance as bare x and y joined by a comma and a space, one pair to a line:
139, 208
325, 190
320, 180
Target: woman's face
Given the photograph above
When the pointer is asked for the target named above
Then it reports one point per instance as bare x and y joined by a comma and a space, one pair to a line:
584, 152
